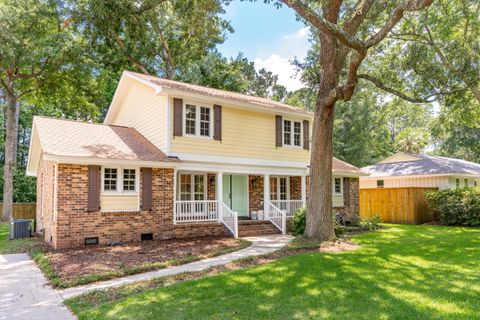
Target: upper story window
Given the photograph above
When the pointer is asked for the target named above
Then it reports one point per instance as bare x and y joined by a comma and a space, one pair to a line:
292, 133
198, 120
337, 186
118, 180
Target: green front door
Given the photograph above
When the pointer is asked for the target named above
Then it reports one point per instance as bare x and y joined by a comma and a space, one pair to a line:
235, 188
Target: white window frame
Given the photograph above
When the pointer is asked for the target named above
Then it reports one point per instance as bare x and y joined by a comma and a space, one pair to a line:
277, 178
120, 190
292, 135
192, 184
341, 186
198, 106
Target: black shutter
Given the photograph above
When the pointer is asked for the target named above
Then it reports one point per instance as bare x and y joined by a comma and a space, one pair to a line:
177, 117
306, 135
278, 131
217, 124
146, 189
93, 188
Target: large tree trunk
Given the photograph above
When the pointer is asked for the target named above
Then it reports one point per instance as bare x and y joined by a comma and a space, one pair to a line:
10, 148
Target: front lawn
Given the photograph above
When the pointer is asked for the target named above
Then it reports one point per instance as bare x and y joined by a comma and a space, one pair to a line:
15, 246
403, 272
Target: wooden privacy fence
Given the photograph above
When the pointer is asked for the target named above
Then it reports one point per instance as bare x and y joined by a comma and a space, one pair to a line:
396, 205
23, 210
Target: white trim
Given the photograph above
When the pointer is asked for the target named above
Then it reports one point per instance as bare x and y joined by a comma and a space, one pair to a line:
333, 186
292, 135
55, 192
113, 162
287, 181
168, 114
192, 184
29, 151
198, 105
240, 169
369, 178
120, 191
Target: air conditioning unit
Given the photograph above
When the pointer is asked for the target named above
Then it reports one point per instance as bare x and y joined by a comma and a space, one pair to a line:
20, 229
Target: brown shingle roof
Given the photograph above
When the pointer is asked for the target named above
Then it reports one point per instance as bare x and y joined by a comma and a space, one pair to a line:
216, 93
90, 140
344, 167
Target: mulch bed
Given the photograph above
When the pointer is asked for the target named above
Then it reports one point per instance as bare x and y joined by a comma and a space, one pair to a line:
74, 263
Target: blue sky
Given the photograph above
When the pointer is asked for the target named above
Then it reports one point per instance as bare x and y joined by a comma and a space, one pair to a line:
268, 36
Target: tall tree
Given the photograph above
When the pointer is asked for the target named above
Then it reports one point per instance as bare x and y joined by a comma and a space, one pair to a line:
348, 33
38, 58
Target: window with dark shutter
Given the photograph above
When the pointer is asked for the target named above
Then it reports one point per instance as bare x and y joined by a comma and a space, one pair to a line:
278, 131
306, 135
93, 188
146, 188
177, 117
217, 115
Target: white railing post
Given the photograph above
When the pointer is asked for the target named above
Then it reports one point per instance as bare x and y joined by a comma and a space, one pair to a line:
284, 222
175, 212
235, 225
304, 190
219, 193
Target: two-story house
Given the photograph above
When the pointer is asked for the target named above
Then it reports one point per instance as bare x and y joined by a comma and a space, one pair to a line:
175, 160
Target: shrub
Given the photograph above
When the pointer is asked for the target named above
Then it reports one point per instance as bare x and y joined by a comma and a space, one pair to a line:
370, 223
456, 207
299, 221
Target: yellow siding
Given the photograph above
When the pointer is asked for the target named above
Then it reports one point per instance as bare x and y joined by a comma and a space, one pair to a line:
245, 134
337, 201
35, 153
119, 202
143, 110
405, 182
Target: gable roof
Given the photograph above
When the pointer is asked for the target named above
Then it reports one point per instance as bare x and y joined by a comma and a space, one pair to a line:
423, 165
67, 138
342, 167
173, 87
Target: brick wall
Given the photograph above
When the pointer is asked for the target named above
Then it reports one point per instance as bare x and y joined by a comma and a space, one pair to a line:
351, 200
296, 188
255, 192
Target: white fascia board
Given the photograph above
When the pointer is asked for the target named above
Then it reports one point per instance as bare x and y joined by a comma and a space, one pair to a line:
241, 161
239, 169
234, 103
102, 161
29, 172
460, 174
349, 174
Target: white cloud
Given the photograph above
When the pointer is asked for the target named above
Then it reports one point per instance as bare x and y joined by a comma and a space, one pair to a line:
277, 59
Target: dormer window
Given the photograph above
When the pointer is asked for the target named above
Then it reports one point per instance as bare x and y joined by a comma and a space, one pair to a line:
198, 120
292, 133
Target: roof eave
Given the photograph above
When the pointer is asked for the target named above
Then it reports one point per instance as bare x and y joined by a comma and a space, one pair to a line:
106, 161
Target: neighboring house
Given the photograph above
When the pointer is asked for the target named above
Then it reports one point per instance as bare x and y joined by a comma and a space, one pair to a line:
175, 160
420, 170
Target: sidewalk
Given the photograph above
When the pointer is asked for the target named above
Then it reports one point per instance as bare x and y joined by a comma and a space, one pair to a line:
260, 245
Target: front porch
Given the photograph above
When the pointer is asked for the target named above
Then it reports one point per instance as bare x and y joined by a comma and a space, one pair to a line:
227, 197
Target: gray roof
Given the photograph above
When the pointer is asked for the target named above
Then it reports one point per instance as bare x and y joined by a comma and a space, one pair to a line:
426, 165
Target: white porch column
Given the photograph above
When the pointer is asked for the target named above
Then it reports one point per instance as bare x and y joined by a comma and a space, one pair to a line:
219, 193
266, 195
304, 190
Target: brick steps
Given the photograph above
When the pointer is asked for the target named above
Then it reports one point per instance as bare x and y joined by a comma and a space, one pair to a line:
248, 228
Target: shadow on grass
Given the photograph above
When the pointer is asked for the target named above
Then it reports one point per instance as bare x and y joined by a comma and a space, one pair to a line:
403, 272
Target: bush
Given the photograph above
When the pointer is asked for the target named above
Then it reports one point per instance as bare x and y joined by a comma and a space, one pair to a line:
456, 206
300, 221
370, 223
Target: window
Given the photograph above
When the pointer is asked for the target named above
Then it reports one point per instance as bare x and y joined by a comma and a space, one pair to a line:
198, 120
190, 118
457, 183
292, 133
380, 183
279, 188
129, 179
192, 187
110, 179
465, 181
118, 180
337, 185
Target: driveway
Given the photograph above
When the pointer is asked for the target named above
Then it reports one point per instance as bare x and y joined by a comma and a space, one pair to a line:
24, 292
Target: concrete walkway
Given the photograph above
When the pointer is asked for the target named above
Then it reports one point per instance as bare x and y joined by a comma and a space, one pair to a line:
260, 245
24, 292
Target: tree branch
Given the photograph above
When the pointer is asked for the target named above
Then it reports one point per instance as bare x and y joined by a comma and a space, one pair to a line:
407, 6
325, 26
128, 55
361, 9
378, 83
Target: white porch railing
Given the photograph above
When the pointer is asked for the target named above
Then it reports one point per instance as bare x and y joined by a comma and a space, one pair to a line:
289, 206
229, 218
195, 211
278, 218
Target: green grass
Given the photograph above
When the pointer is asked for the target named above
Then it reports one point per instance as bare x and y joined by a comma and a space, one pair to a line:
403, 272
15, 246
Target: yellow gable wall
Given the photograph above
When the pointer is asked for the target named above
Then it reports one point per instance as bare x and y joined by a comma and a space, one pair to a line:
245, 134
145, 111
